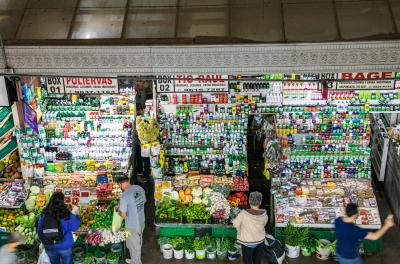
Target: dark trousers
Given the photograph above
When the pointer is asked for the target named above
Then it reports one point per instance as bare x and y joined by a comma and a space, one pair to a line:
252, 255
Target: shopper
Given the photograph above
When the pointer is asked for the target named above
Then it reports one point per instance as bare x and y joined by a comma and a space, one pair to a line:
348, 235
250, 225
7, 252
55, 227
131, 208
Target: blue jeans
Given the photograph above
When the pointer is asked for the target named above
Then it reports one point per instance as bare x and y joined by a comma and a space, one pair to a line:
58, 256
349, 261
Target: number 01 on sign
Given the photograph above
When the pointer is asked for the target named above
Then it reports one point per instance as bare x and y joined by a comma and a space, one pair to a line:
55, 85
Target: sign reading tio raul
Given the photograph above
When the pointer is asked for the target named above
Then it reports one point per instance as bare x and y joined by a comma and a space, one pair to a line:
192, 83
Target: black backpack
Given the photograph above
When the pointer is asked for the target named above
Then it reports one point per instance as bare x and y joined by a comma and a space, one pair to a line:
52, 233
273, 250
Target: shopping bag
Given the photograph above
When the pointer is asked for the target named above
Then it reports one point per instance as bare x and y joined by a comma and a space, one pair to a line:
43, 258
117, 221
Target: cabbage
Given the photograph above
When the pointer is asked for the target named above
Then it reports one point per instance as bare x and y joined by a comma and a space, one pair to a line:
30, 204
174, 195
35, 190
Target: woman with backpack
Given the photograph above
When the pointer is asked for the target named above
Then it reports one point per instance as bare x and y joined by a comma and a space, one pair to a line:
250, 226
55, 227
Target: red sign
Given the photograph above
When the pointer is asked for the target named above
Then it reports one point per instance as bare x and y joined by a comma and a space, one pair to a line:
365, 75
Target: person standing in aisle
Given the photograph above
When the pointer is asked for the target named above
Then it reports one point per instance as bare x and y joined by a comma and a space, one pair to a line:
55, 227
250, 225
7, 252
131, 208
348, 235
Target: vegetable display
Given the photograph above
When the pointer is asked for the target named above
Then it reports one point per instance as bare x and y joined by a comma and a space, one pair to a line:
26, 227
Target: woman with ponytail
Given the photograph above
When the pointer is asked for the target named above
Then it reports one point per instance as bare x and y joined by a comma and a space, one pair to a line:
55, 227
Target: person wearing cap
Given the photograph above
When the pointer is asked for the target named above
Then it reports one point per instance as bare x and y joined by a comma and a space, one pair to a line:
250, 226
131, 208
7, 252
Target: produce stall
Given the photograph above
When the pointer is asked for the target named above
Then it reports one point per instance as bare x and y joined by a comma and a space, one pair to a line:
78, 145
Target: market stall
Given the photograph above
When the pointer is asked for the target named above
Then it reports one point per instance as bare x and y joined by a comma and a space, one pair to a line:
317, 149
76, 140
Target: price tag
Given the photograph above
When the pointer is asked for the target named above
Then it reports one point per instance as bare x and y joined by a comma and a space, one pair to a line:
55, 85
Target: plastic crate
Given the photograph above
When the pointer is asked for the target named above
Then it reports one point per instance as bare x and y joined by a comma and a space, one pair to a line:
10, 146
176, 231
372, 246
224, 232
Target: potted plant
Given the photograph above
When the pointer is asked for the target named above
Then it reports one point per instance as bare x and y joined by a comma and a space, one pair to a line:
163, 240
177, 244
189, 248
307, 242
232, 250
222, 245
200, 248
325, 248
292, 240
211, 248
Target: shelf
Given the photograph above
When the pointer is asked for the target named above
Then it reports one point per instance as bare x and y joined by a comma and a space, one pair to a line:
325, 226
188, 146
191, 225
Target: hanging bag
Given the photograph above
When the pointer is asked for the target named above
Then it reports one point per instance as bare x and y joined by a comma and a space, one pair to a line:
273, 250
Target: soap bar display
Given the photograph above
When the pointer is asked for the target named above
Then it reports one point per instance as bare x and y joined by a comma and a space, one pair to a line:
320, 201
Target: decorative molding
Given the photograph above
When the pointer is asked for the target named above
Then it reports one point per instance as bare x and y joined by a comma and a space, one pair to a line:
223, 59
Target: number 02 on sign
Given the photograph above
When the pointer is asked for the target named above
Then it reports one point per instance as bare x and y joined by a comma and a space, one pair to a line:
55, 85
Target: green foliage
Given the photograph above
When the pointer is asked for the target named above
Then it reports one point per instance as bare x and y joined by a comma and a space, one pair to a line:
293, 235
199, 244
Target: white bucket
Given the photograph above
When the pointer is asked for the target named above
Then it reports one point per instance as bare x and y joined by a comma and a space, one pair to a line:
167, 251
189, 255
178, 254
293, 251
322, 253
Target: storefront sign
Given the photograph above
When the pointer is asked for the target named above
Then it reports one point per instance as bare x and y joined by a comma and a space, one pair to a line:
55, 85
91, 85
192, 83
72, 85
361, 81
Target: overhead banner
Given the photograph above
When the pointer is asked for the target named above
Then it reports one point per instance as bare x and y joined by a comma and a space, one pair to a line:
81, 85
191, 83
358, 81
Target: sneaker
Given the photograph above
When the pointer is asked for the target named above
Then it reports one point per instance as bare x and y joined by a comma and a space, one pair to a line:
128, 260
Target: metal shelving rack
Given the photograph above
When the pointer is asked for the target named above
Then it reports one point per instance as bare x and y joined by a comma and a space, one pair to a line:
379, 145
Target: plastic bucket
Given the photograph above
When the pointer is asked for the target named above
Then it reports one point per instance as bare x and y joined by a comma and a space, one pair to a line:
211, 253
292, 251
189, 255
232, 255
178, 254
167, 251
323, 253
201, 254
221, 255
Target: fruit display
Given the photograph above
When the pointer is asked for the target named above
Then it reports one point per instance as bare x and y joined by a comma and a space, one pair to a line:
10, 167
8, 218
238, 199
